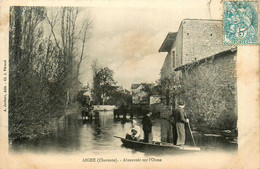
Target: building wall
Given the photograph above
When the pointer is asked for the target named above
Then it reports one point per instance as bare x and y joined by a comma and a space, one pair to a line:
208, 89
196, 39
201, 38
178, 47
166, 68
210, 93
167, 71
168, 65
154, 99
139, 96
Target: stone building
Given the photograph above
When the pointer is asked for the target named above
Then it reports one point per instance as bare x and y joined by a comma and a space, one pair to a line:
200, 70
140, 93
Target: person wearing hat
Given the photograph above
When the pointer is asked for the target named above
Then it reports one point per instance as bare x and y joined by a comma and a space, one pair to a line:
181, 119
134, 132
147, 127
166, 123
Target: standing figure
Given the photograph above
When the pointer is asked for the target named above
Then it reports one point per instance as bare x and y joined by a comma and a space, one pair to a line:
174, 130
181, 119
166, 124
147, 127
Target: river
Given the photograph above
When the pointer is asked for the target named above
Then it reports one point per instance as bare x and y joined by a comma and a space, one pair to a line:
73, 136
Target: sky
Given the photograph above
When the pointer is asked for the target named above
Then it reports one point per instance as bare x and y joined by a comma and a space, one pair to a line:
127, 39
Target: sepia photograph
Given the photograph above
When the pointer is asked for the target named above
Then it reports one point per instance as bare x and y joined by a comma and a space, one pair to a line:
131, 85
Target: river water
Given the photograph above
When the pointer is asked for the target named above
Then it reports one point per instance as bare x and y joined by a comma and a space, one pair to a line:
77, 144
71, 135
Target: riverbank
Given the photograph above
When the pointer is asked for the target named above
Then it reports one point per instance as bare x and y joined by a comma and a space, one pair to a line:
42, 126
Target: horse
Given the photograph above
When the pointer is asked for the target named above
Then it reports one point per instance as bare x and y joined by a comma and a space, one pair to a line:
85, 112
120, 111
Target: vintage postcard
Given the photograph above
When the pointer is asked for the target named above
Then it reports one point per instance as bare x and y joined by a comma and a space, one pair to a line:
129, 84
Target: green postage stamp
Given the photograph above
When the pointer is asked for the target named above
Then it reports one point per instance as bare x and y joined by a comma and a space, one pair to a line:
240, 23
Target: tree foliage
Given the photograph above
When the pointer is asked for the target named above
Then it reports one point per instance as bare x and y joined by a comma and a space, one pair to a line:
103, 84
70, 34
210, 101
41, 66
119, 97
208, 95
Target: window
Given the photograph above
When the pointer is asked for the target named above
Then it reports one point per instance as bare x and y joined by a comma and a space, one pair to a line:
173, 59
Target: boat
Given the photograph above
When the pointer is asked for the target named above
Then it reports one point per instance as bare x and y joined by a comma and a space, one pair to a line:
157, 146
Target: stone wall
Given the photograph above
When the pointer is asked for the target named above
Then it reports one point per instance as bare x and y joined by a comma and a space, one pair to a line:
178, 47
210, 92
208, 88
166, 68
200, 38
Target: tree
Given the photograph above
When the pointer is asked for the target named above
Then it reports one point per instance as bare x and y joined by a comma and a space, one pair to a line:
103, 84
96, 90
29, 103
119, 97
44, 65
70, 33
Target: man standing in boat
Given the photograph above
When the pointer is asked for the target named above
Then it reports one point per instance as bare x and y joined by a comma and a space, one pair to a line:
147, 127
166, 123
180, 119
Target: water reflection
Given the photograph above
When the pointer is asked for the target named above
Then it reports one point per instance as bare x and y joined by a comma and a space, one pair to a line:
74, 135
96, 136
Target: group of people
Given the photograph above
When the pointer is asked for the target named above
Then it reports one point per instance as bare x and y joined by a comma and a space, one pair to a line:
172, 126
173, 122
135, 132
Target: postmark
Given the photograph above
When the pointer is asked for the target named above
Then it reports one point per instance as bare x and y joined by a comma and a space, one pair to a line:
240, 21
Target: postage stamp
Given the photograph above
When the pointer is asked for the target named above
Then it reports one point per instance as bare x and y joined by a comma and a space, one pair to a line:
240, 21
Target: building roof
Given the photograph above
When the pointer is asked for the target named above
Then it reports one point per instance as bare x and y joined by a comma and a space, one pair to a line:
168, 41
223, 53
135, 86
